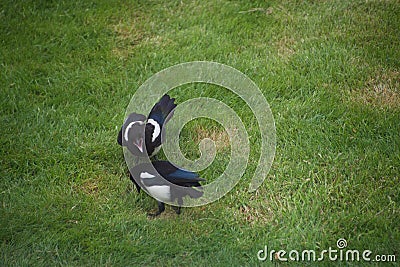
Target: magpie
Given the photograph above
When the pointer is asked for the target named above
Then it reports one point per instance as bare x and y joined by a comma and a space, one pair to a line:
155, 184
141, 135
138, 131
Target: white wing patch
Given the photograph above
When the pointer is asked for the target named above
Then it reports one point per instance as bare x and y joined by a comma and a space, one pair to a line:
129, 127
160, 192
157, 129
144, 175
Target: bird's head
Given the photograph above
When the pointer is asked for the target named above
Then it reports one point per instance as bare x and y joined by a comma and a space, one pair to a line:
133, 133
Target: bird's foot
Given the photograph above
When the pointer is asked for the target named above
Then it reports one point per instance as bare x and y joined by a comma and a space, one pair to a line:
161, 208
177, 209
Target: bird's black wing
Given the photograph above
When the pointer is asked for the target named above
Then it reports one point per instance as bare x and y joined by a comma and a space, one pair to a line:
162, 109
177, 176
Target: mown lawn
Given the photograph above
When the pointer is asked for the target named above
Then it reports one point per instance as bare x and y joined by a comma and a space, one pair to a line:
330, 71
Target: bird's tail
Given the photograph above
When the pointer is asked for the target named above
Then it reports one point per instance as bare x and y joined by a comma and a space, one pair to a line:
195, 192
192, 192
162, 109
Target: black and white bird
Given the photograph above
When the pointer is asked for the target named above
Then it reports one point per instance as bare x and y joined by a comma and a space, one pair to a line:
152, 182
141, 135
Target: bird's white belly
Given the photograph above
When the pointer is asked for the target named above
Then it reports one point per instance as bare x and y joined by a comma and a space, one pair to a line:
160, 192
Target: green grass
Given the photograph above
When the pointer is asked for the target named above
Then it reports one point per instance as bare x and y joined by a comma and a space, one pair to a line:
330, 71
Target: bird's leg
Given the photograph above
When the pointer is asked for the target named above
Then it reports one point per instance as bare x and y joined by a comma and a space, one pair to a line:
177, 209
161, 208
134, 182
133, 179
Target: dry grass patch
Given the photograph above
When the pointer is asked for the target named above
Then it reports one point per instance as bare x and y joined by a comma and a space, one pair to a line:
128, 32
132, 34
89, 187
128, 35
255, 214
259, 210
380, 91
219, 136
286, 47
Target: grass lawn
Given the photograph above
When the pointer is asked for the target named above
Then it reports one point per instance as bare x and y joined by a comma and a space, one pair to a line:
330, 71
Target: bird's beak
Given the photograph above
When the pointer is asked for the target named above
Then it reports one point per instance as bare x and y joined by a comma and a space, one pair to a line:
139, 144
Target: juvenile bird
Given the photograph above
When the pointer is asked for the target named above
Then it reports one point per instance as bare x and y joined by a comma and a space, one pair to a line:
153, 183
141, 135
